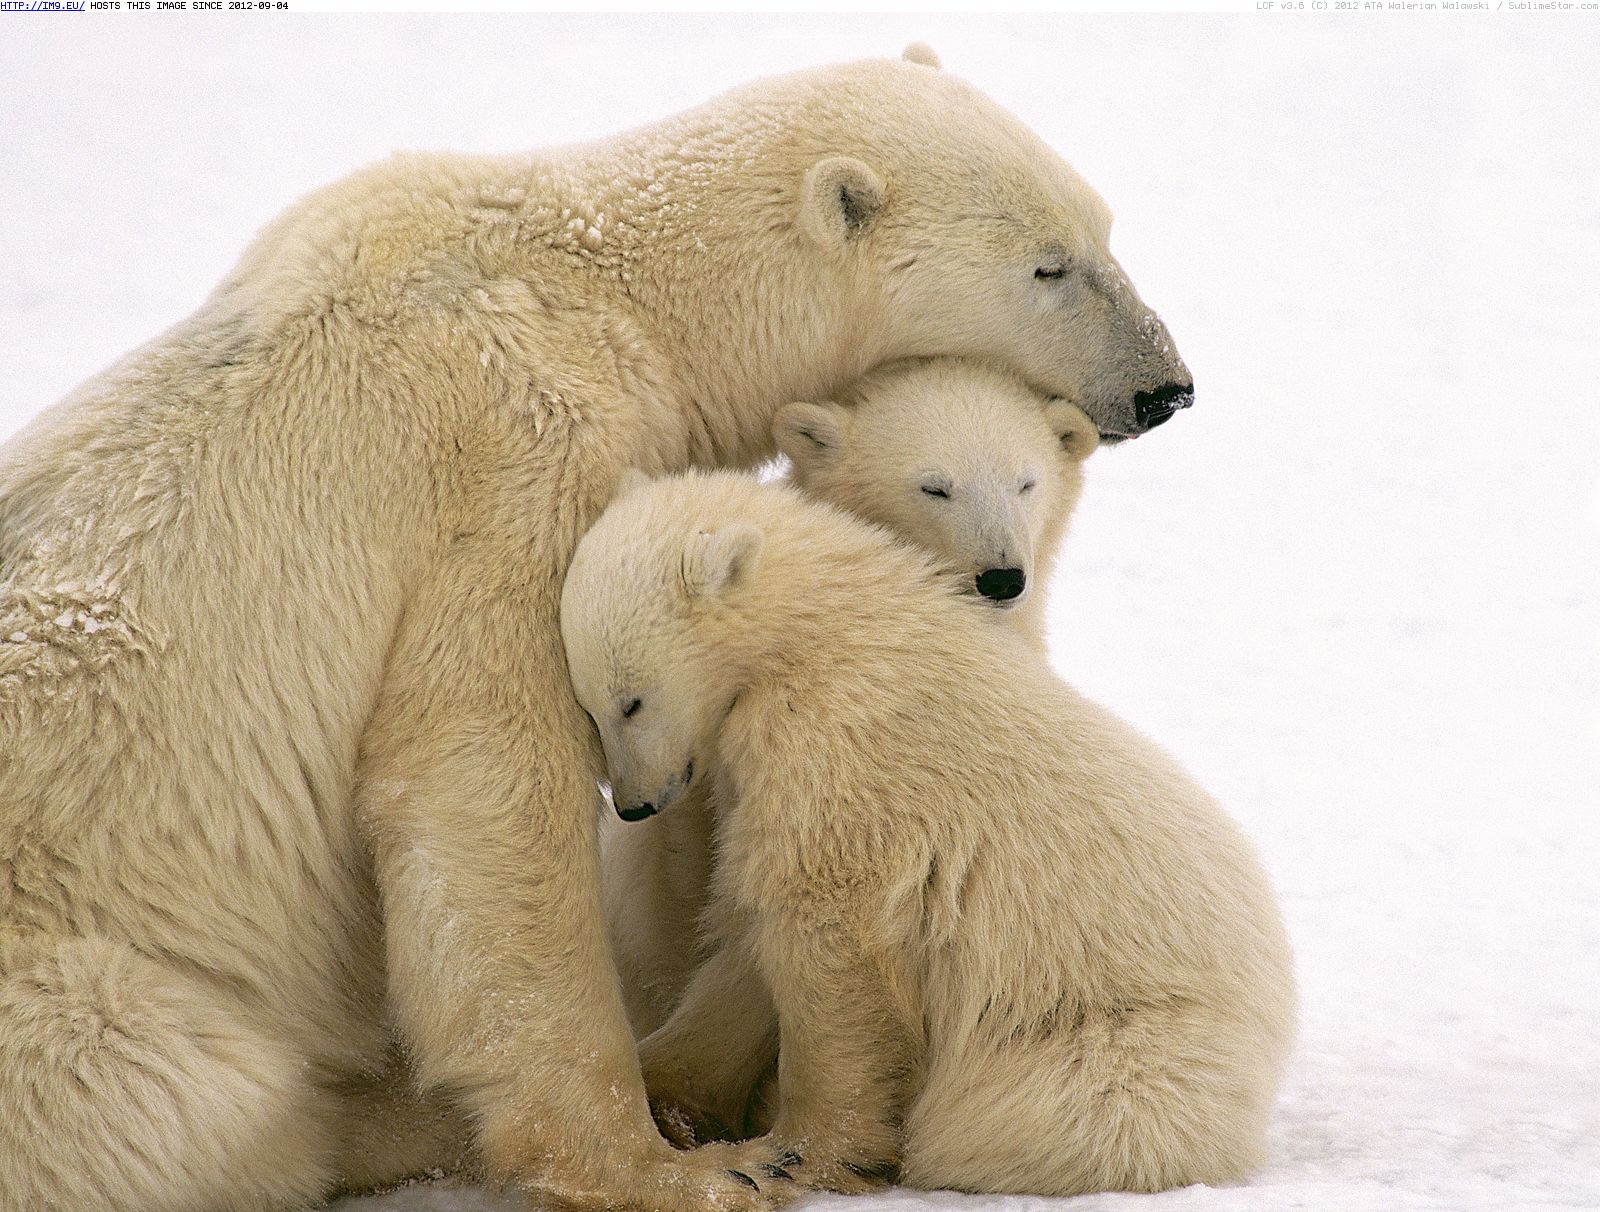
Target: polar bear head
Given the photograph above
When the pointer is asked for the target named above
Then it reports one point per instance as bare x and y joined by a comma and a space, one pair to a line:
961, 458
639, 614
976, 239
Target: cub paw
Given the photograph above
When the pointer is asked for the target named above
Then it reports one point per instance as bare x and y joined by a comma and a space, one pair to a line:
779, 1167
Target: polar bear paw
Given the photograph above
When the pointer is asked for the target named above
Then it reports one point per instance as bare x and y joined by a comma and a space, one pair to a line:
692, 1181
787, 1169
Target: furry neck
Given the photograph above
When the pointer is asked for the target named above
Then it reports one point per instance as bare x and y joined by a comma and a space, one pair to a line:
695, 223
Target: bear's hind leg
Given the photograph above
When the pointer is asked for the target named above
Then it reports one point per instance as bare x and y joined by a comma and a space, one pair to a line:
1130, 1099
128, 1086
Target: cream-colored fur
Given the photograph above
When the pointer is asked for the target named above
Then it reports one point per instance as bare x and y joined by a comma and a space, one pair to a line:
1010, 467
1012, 946
292, 781
961, 458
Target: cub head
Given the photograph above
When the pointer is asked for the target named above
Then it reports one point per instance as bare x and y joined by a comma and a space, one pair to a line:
976, 239
960, 458
648, 615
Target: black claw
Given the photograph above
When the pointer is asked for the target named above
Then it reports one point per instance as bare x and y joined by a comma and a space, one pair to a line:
745, 1179
772, 1171
791, 1158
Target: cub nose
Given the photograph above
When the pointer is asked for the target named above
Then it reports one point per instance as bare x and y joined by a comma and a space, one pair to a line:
1152, 408
1001, 584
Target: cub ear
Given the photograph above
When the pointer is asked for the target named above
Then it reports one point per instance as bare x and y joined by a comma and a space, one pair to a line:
632, 480
839, 199
717, 561
811, 435
1073, 429
921, 52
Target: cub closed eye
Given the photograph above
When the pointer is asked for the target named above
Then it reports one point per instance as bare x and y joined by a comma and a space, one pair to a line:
933, 490
1028, 487
1053, 269
632, 709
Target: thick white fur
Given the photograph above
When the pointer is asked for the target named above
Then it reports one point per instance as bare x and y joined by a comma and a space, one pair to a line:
1013, 947
1010, 466
979, 432
292, 782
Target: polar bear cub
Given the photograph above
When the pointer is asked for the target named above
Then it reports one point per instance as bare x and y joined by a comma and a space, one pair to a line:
1012, 946
959, 457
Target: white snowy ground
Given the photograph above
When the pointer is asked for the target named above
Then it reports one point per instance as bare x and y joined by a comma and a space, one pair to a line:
1355, 588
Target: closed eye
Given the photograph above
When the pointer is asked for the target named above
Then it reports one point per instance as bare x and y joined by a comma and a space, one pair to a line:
933, 490
1028, 487
1053, 270
632, 709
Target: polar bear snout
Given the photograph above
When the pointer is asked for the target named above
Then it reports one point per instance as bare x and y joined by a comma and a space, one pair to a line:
1002, 586
634, 809
1152, 408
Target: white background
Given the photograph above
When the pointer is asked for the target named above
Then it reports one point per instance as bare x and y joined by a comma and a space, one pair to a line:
1355, 588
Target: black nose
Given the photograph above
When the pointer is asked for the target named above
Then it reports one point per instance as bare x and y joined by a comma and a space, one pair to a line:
1152, 408
637, 813
1001, 584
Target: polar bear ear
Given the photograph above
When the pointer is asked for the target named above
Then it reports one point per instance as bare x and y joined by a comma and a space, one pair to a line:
717, 561
1073, 429
810, 435
921, 52
632, 480
839, 199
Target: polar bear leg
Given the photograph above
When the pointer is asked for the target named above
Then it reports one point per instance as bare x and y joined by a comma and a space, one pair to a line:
656, 877
478, 796
1136, 1099
702, 1065
127, 1085
842, 1059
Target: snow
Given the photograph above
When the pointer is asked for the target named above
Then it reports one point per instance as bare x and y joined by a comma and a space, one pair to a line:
1355, 587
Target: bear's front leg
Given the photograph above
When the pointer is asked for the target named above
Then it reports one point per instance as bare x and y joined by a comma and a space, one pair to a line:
477, 792
703, 1064
844, 1059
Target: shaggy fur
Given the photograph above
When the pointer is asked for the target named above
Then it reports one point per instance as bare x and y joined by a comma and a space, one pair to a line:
1012, 946
292, 781
1010, 465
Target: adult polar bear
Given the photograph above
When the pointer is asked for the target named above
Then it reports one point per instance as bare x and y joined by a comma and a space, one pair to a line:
292, 780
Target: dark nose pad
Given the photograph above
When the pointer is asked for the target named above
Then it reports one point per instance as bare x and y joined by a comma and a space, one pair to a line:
1001, 584
1152, 408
